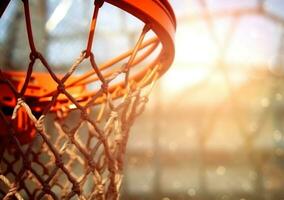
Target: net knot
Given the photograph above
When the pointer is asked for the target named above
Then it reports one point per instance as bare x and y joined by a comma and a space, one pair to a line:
100, 188
114, 114
84, 115
76, 188
92, 163
34, 55
99, 3
104, 86
39, 125
12, 190
85, 53
26, 163
61, 88
125, 68
46, 187
20, 101
19, 104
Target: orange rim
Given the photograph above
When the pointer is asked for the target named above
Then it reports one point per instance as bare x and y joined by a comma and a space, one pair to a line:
158, 16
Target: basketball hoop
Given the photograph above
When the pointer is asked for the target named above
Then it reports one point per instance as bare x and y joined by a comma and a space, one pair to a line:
37, 163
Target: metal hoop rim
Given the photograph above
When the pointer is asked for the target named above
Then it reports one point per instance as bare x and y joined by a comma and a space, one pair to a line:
162, 20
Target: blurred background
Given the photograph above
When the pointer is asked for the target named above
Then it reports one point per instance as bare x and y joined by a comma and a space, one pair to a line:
213, 128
